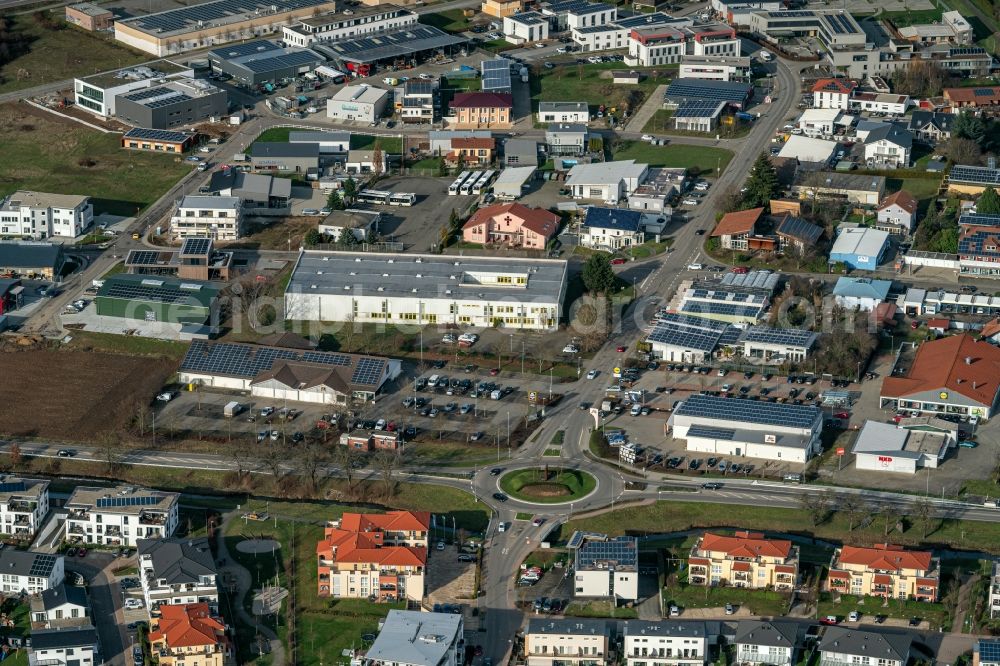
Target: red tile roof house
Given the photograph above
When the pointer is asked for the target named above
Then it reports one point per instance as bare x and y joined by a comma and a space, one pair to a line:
513, 224
185, 632
737, 231
885, 570
833, 93
897, 213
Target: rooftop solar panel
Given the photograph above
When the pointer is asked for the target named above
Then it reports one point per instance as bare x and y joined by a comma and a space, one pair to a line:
974, 174
12, 487
620, 552
496, 75
979, 220
989, 650
711, 433
248, 361
791, 337
749, 411
219, 12
717, 91
368, 371
42, 566
128, 500
142, 257
698, 108
196, 245
156, 135
148, 291
716, 308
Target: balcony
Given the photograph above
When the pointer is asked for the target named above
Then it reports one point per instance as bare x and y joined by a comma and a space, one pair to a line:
22, 507
152, 519
78, 514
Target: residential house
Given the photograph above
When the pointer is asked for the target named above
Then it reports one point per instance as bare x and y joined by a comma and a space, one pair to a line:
366, 162
889, 146
120, 516
746, 559
568, 642
24, 503
190, 634
471, 151
480, 110
878, 102
833, 93
797, 234
60, 606
29, 571
605, 567
897, 213
993, 603
657, 45
566, 139
931, 126
416, 638
441, 140
885, 570
735, 229
502, 8
845, 187
259, 194
973, 97
819, 122
38, 215
64, 646
665, 643
374, 555
513, 225
715, 68
979, 250
563, 112
360, 223
986, 652
763, 642
177, 571
606, 181
860, 293
612, 229
526, 28
217, 217
852, 645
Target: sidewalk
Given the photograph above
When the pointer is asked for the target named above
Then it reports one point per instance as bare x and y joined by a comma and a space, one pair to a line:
652, 104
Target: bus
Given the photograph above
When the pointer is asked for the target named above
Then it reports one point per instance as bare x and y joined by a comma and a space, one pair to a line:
482, 182
380, 197
467, 185
456, 184
402, 199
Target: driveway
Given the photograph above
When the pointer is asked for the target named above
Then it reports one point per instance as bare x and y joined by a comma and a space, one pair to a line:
105, 603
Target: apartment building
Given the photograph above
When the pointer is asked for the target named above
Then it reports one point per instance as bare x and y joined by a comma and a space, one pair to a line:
24, 503
850, 645
190, 634
482, 110
885, 570
605, 568
64, 647
29, 572
177, 571
120, 516
665, 643
771, 643
415, 638
746, 559
994, 596
374, 555
38, 215
568, 642
216, 217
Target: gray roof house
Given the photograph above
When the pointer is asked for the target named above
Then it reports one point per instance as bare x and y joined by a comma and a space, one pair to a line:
563, 112
761, 642
69, 646
566, 139
177, 571
845, 645
520, 152
60, 606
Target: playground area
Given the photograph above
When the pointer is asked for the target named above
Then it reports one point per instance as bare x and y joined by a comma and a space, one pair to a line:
258, 546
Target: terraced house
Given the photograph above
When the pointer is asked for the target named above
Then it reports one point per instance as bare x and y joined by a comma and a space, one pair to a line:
382, 557
885, 570
746, 559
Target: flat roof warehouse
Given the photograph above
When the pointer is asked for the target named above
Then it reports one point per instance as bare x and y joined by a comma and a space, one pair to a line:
388, 45
209, 14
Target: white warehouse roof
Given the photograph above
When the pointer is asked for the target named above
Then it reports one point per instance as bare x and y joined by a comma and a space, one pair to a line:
807, 149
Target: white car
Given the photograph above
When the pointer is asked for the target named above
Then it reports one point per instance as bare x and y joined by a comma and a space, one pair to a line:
570, 349
133, 604
592, 374
468, 338
310, 211
166, 396
380, 424
690, 201
561, 49
695, 267
636, 410
539, 45
427, 77
193, 158
701, 186
448, 339
647, 137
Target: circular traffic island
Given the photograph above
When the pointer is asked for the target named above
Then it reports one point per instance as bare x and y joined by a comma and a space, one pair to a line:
548, 485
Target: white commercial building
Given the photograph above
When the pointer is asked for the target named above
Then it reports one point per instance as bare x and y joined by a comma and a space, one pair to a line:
97, 94
606, 181
740, 428
665, 643
39, 215
177, 571
362, 102
24, 503
328, 142
426, 289
120, 516
606, 568
773, 346
860, 293
363, 20
715, 68
808, 149
886, 447
819, 122
414, 638
689, 339
526, 28
563, 112
29, 572
567, 642
216, 217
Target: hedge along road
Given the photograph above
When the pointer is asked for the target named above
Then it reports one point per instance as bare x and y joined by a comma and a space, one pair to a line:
560, 487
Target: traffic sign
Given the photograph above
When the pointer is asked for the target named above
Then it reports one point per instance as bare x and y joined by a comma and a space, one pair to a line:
618, 371
841, 450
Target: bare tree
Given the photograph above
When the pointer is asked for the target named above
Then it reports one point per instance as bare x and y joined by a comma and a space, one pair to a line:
923, 511
312, 462
817, 505
344, 457
889, 516
386, 463
16, 457
854, 509
111, 449
272, 459
241, 457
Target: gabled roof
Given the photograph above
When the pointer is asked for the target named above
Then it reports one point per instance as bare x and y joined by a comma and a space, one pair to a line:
799, 229
939, 119
841, 86
739, 222
956, 363
745, 544
870, 644
613, 218
903, 199
359, 538
891, 133
187, 625
470, 142
849, 287
178, 561
884, 557
63, 594
63, 637
480, 100
772, 634
980, 95
991, 328
539, 220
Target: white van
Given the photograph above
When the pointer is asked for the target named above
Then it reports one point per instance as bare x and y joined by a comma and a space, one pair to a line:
433, 380
496, 395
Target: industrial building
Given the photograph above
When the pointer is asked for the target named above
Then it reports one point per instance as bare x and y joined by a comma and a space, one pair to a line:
217, 217
426, 289
859, 247
215, 22
157, 299
409, 45
97, 94
89, 16
39, 215
335, 26
329, 142
363, 103
260, 194
748, 428
281, 373
157, 141
735, 94
263, 61
887, 447
698, 116
687, 339
27, 258
174, 104
284, 156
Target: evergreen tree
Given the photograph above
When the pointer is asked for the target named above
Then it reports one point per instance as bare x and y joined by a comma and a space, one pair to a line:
989, 202
350, 189
334, 201
598, 277
762, 183
968, 126
312, 238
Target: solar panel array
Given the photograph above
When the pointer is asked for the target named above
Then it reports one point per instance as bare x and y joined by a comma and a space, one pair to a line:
979, 220
697, 108
156, 135
220, 10
792, 337
791, 14
128, 500
718, 308
989, 650
716, 91
196, 245
12, 487
800, 229
966, 50
276, 63
146, 292
368, 371
42, 566
749, 411
496, 75
688, 332
840, 24
727, 296
984, 92
142, 258
391, 44
622, 551
978, 242
711, 433
974, 174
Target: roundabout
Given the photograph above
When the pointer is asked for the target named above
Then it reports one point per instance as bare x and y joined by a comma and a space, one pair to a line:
548, 485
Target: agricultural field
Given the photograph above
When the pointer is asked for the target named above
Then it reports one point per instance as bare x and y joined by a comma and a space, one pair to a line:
77, 395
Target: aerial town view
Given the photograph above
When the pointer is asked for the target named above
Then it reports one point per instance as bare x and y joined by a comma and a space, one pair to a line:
724, 276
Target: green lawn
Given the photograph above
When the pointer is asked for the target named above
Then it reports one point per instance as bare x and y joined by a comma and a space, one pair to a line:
937, 614
703, 159
674, 516
450, 20
41, 152
563, 486
649, 249
591, 83
57, 54
913, 17
274, 135
758, 602
599, 609
428, 164
389, 144
661, 122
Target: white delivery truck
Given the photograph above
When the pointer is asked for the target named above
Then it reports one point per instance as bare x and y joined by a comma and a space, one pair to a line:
232, 409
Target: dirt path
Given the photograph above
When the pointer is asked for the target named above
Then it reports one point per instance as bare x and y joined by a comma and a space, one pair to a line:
653, 103
243, 583
965, 602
